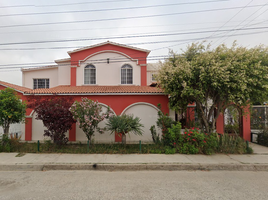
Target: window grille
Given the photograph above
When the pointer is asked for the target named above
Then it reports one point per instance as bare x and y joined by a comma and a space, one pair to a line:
90, 74
40, 83
126, 74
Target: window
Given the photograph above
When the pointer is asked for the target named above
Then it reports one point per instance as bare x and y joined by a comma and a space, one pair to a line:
126, 74
153, 77
40, 83
90, 74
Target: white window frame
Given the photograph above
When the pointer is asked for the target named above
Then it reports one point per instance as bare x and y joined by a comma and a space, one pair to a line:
125, 70
38, 85
91, 79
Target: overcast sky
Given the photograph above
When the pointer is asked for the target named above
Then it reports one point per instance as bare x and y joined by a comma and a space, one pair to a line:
36, 32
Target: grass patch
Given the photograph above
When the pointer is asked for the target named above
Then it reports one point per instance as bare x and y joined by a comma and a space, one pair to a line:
48, 147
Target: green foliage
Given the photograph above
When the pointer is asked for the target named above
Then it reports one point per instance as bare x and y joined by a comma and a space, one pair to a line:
195, 141
221, 76
164, 122
88, 115
124, 124
169, 150
263, 137
173, 136
55, 115
155, 136
231, 144
12, 109
192, 141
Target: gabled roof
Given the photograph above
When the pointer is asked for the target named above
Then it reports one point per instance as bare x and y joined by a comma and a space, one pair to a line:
66, 89
15, 87
108, 42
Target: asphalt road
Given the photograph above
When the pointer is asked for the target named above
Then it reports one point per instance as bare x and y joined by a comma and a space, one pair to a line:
134, 185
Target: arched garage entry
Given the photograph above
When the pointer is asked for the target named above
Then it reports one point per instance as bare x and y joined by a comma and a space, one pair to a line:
148, 115
106, 137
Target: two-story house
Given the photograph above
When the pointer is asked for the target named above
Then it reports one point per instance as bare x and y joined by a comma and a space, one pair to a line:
113, 74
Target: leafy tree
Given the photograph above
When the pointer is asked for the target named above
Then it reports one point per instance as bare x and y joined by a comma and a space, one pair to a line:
55, 114
12, 109
88, 115
214, 78
124, 124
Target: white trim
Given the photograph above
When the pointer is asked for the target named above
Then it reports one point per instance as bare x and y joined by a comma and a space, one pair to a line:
31, 114
39, 68
108, 42
107, 107
108, 51
62, 60
139, 103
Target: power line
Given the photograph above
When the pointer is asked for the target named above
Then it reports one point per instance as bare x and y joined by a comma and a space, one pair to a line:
232, 17
109, 9
245, 20
125, 27
124, 18
66, 4
41, 64
129, 36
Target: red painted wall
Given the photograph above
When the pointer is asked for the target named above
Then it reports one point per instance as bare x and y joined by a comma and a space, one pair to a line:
73, 76
220, 124
132, 53
246, 124
28, 129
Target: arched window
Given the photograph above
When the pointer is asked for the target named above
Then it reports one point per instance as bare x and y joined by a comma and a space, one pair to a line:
126, 74
90, 74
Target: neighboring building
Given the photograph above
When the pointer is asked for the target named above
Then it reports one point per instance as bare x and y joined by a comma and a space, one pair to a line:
111, 73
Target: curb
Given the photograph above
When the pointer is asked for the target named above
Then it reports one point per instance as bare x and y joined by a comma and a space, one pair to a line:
137, 167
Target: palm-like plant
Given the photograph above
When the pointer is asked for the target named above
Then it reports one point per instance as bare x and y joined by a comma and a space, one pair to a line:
124, 124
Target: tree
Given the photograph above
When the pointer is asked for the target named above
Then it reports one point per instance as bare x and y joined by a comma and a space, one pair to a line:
214, 78
12, 109
124, 124
88, 115
55, 114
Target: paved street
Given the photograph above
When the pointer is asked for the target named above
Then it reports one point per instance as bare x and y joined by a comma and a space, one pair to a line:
133, 185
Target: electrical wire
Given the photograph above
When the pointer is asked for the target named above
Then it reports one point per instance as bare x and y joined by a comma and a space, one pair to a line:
125, 18
108, 9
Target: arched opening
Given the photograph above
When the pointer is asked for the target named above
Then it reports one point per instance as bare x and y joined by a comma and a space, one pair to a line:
233, 120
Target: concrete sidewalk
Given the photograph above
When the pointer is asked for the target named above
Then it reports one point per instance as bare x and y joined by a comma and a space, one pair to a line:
115, 162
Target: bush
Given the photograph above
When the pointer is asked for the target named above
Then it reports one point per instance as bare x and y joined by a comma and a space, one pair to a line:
263, 137
231, 144
155, 136
195, 141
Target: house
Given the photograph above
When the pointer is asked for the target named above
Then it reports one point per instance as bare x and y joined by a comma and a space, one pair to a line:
113, 74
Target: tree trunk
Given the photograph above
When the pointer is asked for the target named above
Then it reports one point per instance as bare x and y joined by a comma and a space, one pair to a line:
6, 129
124, 139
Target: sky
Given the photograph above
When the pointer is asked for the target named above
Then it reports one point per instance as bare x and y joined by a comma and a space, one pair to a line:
35, 33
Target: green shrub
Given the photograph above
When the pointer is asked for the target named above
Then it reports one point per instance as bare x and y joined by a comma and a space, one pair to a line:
195, 141
173, 136
231, 144
263, 137
155, 136
169, 150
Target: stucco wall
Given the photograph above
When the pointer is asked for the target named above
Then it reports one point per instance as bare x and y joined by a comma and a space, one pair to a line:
109, 73
64, 74
50, 73
148, 115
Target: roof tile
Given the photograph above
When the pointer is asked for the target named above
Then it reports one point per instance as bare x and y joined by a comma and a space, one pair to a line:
16, 87
97, 90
